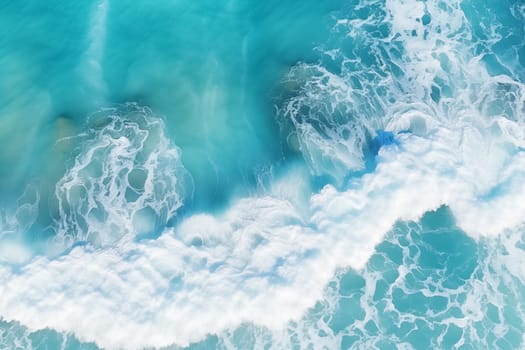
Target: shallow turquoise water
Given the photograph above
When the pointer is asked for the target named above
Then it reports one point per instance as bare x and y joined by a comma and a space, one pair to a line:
262, 175
212, 70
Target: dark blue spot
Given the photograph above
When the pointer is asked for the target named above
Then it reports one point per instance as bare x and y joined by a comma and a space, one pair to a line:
383, 138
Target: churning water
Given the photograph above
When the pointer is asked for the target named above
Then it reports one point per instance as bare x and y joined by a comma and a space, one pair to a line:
241, 174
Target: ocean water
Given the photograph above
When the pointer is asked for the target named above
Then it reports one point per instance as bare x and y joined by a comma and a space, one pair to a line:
238, 174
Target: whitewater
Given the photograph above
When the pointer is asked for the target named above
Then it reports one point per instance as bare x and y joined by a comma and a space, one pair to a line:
346, 174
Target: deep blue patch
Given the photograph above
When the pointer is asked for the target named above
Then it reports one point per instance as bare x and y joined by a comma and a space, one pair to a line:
383, 138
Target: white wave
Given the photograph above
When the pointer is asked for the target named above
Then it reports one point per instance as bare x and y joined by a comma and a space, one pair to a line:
372, 80
473, 295
267, 259
126, 180
263, 260
327, 144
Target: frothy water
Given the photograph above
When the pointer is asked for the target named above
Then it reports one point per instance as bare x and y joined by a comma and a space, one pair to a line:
126, 180
286, 176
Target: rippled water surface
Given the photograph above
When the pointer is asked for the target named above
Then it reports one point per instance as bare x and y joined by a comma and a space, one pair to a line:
341, 174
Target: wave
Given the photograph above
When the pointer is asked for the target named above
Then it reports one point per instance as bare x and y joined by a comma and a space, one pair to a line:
292, 265
127, 179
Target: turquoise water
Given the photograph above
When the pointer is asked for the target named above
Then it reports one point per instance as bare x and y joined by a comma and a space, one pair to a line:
262, 175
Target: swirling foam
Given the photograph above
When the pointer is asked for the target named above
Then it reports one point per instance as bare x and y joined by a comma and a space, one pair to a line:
267, 259
390, 69
262, 261
127, 179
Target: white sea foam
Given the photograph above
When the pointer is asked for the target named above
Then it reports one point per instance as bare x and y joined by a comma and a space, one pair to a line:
262, 260
266, 259
126, 180
478, 301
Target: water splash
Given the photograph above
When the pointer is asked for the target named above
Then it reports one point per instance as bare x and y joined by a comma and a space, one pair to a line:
126, 179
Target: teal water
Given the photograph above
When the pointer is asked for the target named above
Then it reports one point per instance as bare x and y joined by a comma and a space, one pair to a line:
212, 70
345, 174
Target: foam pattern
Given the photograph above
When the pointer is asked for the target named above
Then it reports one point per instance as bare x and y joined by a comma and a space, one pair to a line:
414, 115
399, 66
126, 179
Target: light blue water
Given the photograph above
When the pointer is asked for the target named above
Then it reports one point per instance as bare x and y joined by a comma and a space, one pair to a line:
262, 175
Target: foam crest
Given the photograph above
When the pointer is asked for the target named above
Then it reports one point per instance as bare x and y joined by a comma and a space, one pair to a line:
426, 286
263, 260
318, 119
126, 179
246, 272
409, 58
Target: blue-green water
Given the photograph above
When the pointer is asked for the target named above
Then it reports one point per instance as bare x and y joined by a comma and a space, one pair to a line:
262, 175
